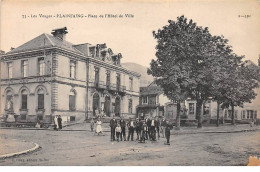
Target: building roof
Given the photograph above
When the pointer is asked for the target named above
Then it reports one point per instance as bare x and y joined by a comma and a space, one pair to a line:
151, 89
43, 41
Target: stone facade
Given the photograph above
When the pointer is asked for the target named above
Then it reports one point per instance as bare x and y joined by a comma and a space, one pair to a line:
49, 76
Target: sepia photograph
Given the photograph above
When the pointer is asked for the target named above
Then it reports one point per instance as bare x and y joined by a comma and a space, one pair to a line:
130, 83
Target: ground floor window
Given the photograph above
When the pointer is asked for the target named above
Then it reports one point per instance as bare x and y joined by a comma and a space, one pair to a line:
72, 101
191, 108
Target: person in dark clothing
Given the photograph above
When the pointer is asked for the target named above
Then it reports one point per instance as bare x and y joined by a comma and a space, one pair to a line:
158, 125
131, 128
163, 124
152, 130
167, 132
113, 125
123, 126
60, 122
148, 123
138, 128
143, 132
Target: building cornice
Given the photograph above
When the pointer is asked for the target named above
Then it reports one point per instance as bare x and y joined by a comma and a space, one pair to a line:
46, 50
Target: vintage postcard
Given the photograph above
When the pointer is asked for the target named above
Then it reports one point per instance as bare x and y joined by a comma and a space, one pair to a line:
130, 83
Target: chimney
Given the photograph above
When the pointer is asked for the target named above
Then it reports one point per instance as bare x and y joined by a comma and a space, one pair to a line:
60, 33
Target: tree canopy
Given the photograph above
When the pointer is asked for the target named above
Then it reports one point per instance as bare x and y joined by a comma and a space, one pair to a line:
193, 63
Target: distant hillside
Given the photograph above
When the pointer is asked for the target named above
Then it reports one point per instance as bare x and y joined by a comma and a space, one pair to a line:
145, 78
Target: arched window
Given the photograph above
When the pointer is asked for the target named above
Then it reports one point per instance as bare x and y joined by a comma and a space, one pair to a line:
107, 106
9, 100
40, 94
72, 100
24, 99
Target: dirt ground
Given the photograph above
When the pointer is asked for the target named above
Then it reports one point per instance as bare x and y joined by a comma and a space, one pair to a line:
83, 148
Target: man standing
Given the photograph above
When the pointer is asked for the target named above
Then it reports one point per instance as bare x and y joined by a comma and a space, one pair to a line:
148, 122
167, 132
60, 122
163, 124
113, 127
143, 132
153, 132
131, 129
158, 125
123, 125
137, 128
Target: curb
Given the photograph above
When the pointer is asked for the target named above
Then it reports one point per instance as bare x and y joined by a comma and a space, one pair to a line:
35, 148
217, 132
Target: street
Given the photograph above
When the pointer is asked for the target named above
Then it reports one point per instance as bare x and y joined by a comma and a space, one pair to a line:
83, 148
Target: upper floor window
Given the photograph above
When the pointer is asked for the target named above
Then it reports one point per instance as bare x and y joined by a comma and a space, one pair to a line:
145, 99
108, 78
10, 70
72, 69
191, 108
24, 68
41, 65
118, 81
131, 84
24, 99
96, 76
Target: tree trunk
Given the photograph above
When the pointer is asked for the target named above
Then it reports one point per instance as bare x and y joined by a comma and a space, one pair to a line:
198, 113
217, 114
178, 118
232, 114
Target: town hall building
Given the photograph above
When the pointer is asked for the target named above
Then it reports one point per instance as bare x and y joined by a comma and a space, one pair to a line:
50, 76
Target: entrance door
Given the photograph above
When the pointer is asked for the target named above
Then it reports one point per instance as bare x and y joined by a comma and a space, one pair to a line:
107, 106
117, 106
95, 103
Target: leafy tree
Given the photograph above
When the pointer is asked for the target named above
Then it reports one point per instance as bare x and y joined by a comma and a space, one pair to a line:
240, 87
182, 64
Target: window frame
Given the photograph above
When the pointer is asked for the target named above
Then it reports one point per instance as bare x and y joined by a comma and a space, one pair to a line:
191, 112
145, 98
23, 69
41, 66
131, 87
73, 64
10, 66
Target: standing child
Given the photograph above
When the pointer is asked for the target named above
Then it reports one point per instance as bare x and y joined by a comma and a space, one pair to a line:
99, 128
92, 122
118, 131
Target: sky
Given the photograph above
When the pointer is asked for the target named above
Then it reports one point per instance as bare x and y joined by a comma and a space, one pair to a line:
131, 36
